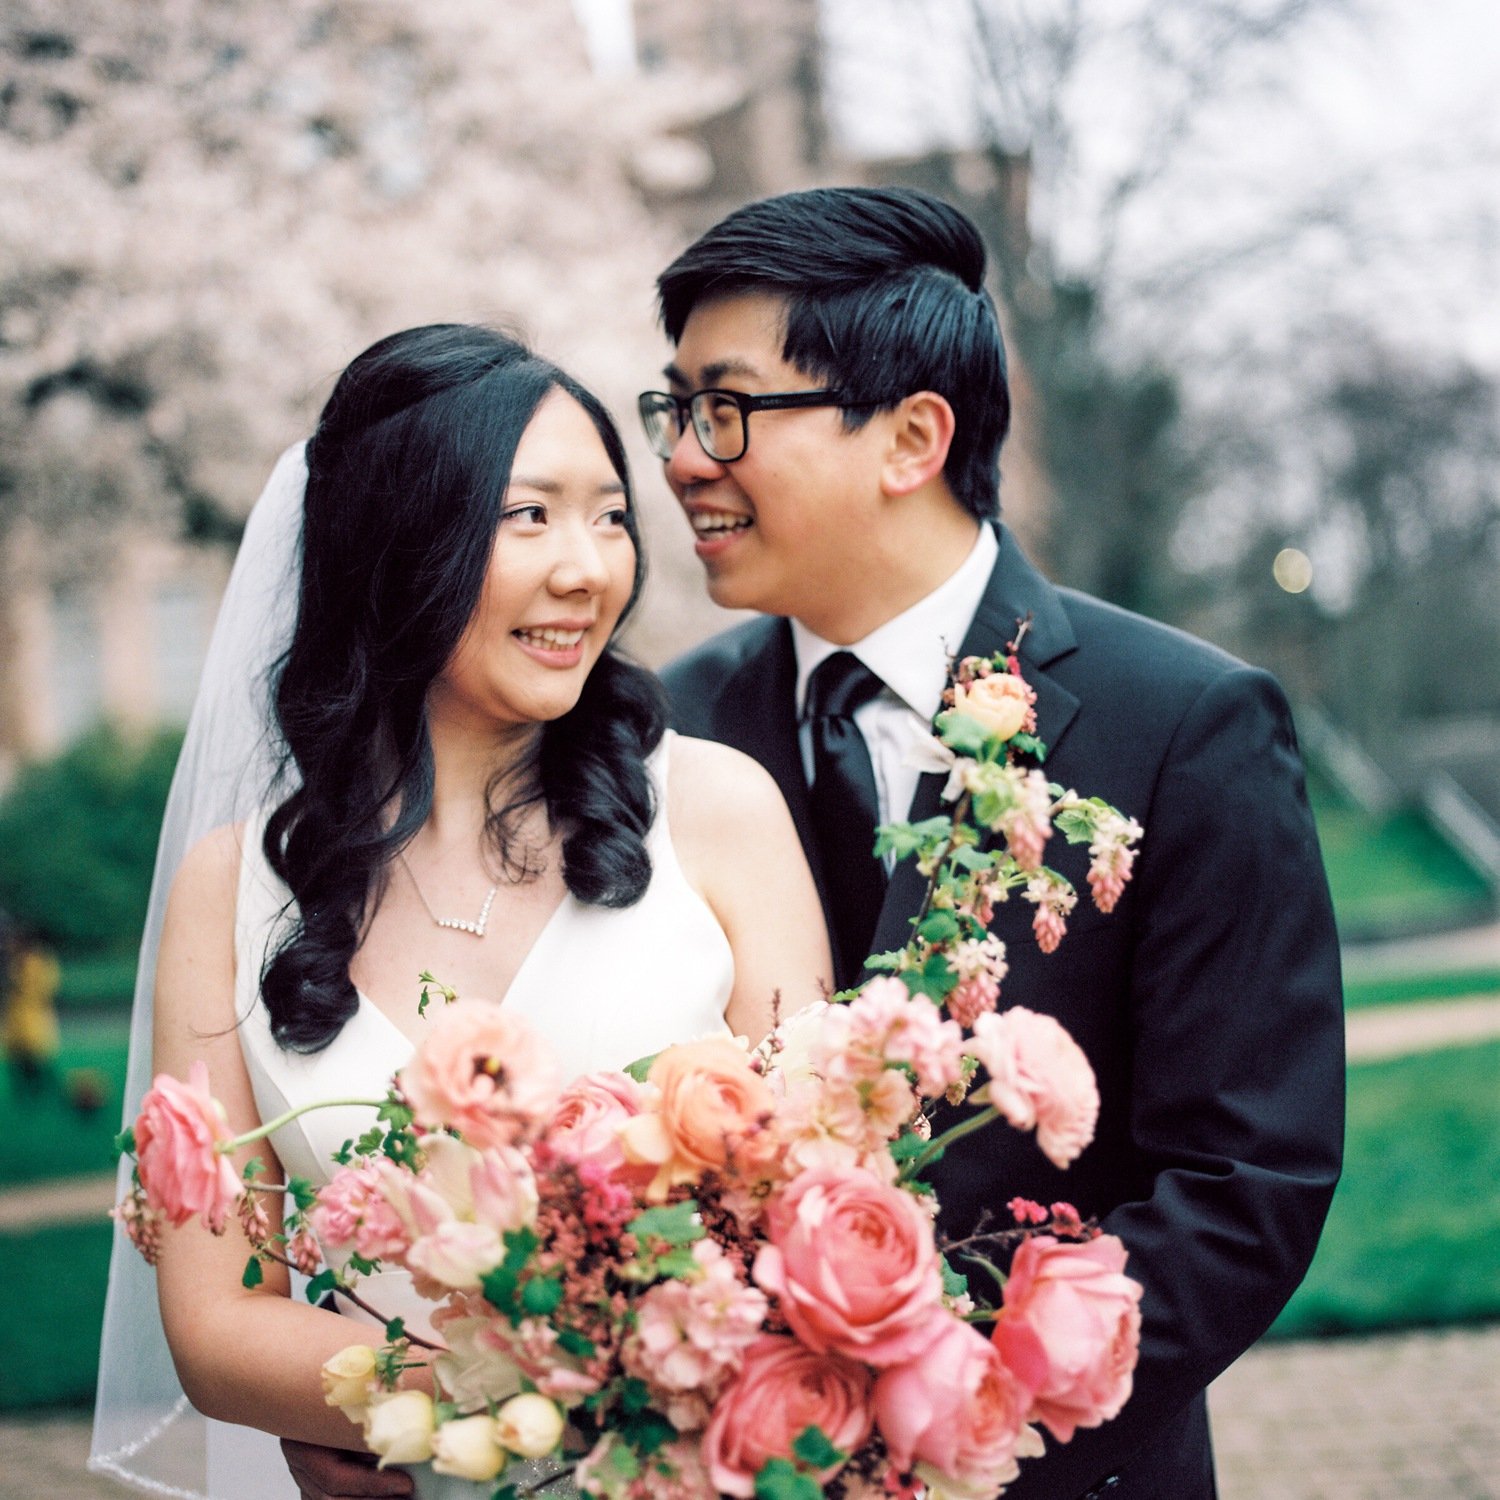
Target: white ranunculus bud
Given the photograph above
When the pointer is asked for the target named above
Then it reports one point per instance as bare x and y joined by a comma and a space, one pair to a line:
398, 1426
467, 1448
530, 1426
349, 1380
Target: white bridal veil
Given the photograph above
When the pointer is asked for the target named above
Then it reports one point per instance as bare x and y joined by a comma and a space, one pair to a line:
145, 1432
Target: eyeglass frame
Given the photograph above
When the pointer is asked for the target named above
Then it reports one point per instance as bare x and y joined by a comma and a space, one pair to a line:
746, 404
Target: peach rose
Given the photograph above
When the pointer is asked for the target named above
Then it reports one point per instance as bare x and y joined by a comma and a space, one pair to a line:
854, 1265
1001, 702
1039, 1076
711, 1106
483, 1073
1070, 1328
782, 1390
956, 1414
177, 1136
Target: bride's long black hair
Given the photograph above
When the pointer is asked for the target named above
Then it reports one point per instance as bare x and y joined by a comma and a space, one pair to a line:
407, 473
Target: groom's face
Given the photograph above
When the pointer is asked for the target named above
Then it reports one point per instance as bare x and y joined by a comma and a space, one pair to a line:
790, 527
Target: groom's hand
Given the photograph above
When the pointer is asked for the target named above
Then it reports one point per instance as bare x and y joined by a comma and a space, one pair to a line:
336, 1474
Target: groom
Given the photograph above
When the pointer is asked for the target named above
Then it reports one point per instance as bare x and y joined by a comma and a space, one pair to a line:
860, 518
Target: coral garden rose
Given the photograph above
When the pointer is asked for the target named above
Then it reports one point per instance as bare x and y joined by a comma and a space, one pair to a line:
177, 1135
1001, 702
1070, 1328
711, 1107
853, 1263
956, 1414
783, 1389
1039, 1076
483, 1073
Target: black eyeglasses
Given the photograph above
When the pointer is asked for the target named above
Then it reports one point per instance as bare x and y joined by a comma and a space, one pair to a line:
721, 419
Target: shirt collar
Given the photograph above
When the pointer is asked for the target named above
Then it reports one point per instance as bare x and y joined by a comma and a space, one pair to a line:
910, 653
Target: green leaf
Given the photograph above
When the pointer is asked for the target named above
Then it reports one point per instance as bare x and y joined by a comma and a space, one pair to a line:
962, 733
570, 1341
505, 1492
906, 839
679, 1262
641, 1067
125, 1142
779, 1480
647, 1431
1028, 744
304, 1194
363, 1264
676, 1224
966, 857
541, 1295
814, 1449
395, 1330
320, 1285
939, 927
881, 962
253, 1169
955, 1284
254, 1273
635, 1395
936, 978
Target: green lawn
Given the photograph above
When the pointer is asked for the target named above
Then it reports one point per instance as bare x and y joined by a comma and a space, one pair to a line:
50, 1135
1392, 872
1445, 984
1414, 1234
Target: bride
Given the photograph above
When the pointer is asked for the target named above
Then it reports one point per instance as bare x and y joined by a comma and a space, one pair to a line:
471, 782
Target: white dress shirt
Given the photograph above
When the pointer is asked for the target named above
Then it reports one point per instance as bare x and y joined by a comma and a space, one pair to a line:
910, 655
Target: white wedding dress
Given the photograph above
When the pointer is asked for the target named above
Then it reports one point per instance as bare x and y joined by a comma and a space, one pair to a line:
603, 986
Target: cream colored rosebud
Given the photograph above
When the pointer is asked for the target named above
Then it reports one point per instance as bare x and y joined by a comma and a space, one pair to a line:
530, 1426
467, 1448
398, 1426
349, 1380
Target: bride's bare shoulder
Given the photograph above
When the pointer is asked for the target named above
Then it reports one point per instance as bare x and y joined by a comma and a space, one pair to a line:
208, 876
712, 787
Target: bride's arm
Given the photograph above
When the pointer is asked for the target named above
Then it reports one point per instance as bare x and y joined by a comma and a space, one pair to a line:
247, 1356
739, 848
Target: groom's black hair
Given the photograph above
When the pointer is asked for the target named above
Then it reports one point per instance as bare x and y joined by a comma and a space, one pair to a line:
884, 295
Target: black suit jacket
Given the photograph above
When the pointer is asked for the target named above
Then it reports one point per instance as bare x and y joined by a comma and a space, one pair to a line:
1209, 1002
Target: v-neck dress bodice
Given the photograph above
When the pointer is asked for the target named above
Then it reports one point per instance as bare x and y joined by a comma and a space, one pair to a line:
602, 986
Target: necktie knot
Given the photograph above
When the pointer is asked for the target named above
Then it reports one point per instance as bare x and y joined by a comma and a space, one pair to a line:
839, 685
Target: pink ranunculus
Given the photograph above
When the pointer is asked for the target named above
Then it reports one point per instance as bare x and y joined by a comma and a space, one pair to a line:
1070, 1329
887, 1024
853, 1262
1039, 1076
586, 1124
956, 1414
177, 1136
783, 1389
484, 1073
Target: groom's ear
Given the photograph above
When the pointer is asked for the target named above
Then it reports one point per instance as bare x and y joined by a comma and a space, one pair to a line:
921, 432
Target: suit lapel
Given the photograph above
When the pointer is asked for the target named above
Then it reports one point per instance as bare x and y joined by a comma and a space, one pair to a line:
1015, 590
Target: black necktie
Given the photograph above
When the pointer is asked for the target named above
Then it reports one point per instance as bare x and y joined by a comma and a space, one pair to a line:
844, 808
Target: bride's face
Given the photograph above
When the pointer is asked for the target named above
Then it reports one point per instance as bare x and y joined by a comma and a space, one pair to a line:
560, 576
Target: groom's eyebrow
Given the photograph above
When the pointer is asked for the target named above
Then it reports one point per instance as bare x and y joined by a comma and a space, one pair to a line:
713, 373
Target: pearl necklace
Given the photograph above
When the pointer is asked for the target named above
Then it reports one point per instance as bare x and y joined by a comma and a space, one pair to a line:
454, 924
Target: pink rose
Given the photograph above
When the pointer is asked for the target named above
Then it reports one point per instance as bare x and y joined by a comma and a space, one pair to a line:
586, 1125
956, 1414
854, 1265
177, 1136
483, 1073
783, 1390
1039, 1076
1070, 1329
453, 1256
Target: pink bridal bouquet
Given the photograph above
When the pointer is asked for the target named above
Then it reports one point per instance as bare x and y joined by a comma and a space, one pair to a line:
717, 1273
